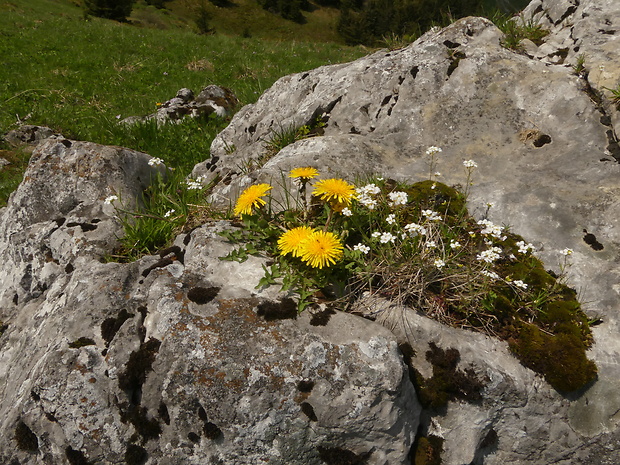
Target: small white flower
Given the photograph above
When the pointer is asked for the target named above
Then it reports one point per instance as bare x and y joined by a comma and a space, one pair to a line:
490, 274
169, 213
398, 198
155, 161
520, 284
193, 184
368, 189
391, 219
490, 204
432, 150
387, 237
110, 199
376, 234
118, 116
439, 263
434, 186
524, 248
379, 179
491, 229
566, 252
346, 211
430, 244
362, 248
470, 164
489, 255
437, 173
431, 215
414, 229
455, 244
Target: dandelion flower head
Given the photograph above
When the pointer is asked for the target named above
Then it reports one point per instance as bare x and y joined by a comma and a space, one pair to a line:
291, 240
251, 198
321, 249
335, 191
303, 174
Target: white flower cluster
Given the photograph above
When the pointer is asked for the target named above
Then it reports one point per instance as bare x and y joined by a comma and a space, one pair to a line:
520, 284
432, 150
490, 274
415, 229
387, 237
470, 164
391, 219
489, 255
566, 252
155, 161
455, 244
492, 229
524, 247
431, 215
439, 263
346, 211
169, 213
194, 184
365, 193
397, 198
110, 199
362, 248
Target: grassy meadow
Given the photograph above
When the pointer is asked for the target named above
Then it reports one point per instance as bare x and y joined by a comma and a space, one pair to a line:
79, 75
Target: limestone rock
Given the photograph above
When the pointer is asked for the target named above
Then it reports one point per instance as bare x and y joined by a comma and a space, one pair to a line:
28, 134
547, 153
212, 99
172, 359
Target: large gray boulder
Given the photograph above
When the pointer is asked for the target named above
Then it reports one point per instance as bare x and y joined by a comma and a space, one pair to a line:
546, 142
177, 358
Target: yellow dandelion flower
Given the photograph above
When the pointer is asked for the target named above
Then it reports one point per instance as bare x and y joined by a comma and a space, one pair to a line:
304, 174
321, 248
337, 192
291, 240
251, 198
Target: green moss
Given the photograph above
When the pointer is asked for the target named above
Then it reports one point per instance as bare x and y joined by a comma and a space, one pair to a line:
435, 196
81, 342
427, 450
560, 358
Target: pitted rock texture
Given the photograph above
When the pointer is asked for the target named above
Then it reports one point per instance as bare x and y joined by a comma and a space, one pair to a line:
173, 359
212, 99
546, 143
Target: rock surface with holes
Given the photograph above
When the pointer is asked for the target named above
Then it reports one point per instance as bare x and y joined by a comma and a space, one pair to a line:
545, 140
177, 358
211, 100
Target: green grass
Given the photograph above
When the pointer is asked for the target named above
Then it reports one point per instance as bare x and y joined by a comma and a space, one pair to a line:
80, 75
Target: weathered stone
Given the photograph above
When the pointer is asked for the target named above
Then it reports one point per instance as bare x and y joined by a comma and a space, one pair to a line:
28, 134
547, 152
212, 99
185, 361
